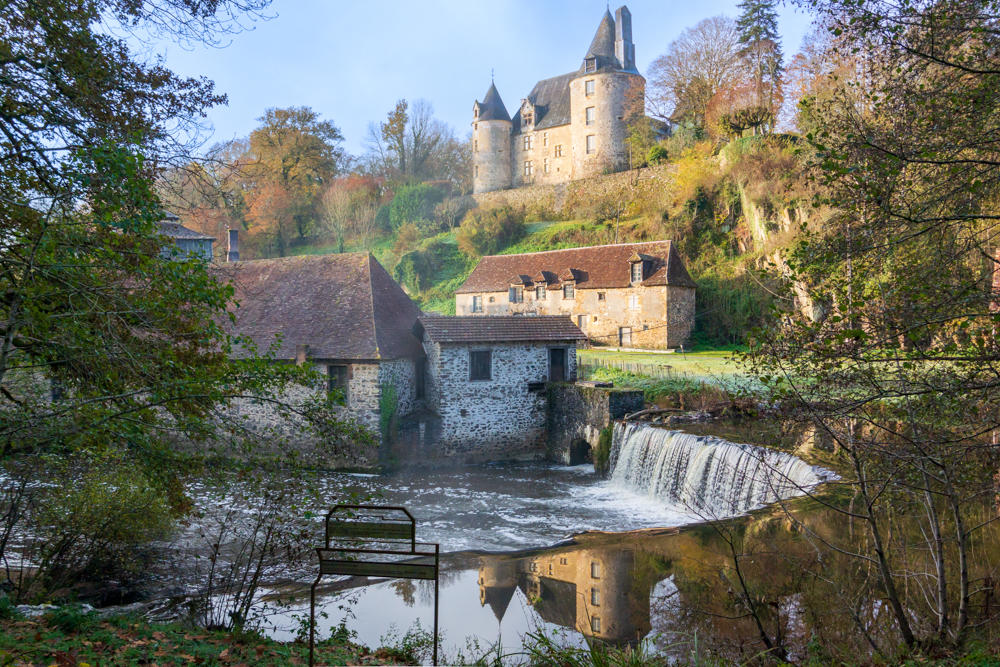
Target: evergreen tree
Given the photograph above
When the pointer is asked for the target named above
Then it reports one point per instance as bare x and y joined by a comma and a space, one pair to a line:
761, 51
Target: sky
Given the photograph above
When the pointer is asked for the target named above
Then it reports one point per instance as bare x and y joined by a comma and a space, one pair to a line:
351, 62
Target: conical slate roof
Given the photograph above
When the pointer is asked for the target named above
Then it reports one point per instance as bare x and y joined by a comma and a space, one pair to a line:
603, 43
492, 108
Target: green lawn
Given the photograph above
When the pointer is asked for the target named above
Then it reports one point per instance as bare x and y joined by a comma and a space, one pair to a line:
708, 363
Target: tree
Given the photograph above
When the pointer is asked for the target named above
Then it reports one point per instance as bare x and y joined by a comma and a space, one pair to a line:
348, 207
411, 146
901, 371
760, 52
697, 65
295, 153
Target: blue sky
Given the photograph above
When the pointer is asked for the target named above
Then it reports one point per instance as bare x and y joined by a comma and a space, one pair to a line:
352, 61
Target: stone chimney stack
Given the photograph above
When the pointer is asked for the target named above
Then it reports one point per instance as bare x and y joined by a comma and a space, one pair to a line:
624, 48
233, 253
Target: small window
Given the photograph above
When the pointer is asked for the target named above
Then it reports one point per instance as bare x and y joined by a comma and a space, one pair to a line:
550, 569
588, 87
591, 144
590, 65
595, 569
480, 365
563, 561
533, 567
476, 171
595, 624
529, 168
475, 145
545, 138
589, 115
477, 303
492, 299
528, 141
336, 379
600, 296
595, 597
515, 294
475, 112
569, 291
558, 150
637, 272
633, 302
540, 293
545, 165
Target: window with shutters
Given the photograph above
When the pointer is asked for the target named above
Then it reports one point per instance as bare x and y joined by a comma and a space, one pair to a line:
515, 294
480, 365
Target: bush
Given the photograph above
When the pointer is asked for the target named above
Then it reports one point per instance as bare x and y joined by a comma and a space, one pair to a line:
414, 204
728, 309
657, 154
413, 271
488, 232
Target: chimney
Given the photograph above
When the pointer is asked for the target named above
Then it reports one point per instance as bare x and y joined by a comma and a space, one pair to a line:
233, 254
624, 48
301, 353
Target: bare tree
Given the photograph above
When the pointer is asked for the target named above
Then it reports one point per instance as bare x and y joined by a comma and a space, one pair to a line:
696, 66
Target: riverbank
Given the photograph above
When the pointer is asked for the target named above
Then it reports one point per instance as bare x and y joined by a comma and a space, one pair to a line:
67, 636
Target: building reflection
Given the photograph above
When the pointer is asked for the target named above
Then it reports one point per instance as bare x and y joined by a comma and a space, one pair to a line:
595, 591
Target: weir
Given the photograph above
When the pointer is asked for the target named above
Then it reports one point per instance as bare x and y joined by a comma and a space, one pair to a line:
704, 474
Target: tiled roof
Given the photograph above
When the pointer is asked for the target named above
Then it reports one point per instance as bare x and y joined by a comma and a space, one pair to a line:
551, 100
594, 267
500, 329
492, 108
342, 306
176, 230
602, 46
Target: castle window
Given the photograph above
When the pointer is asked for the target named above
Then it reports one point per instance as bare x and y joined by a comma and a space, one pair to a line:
569, 291
545, 165
475, 171
595, 569
588, 87
595, 597
589, 111
637, 272
558, 150
600, 296
591, 144
477, 303
475, 145
528, 141
633, 302
545, 138
590, 65
480, 365
515, 294
595, 624
540, 293
529, 169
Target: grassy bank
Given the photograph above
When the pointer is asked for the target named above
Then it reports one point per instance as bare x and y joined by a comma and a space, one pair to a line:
68, 637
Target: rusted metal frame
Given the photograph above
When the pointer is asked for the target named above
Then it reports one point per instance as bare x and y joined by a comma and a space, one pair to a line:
312, 618
385, 551
336, 508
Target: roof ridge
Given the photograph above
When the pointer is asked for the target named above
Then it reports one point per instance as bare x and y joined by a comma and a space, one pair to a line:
584, 247
285, 258
371, 297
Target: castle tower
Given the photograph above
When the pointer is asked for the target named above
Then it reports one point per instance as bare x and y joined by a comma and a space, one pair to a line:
491, 128
606, 86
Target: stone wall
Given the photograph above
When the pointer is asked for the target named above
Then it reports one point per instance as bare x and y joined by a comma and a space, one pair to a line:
577, 414
495, 419
401, 373
565, 197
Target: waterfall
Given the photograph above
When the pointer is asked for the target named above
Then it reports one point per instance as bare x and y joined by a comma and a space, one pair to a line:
710, 476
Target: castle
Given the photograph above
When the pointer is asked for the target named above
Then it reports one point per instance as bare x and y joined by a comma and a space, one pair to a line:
570, 126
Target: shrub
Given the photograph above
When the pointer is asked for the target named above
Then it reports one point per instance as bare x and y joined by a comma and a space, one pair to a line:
657, 154
413, 271
487, 232
413, 204
406, 239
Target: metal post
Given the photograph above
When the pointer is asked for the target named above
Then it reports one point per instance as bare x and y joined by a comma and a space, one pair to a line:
437, 565
312, 619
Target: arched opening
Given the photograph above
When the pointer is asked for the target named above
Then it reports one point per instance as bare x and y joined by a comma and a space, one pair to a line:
579, 452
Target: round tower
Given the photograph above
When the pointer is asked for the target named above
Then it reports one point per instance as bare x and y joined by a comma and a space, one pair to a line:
491, 130
601, 95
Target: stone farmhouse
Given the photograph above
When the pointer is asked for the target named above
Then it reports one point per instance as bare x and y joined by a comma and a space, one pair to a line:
569, 127
486, 379
628, 295
343, 313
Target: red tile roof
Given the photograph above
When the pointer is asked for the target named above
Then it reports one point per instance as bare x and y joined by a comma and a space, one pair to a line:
500, 329
342, 306
595, 267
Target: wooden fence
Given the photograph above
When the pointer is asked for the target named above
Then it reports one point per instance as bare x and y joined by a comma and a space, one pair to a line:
587, 366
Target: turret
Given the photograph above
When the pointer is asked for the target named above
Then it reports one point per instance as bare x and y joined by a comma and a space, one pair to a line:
601, 98
491, 129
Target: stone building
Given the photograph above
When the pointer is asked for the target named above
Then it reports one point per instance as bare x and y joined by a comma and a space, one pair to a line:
486, 381
568, 127
629, 295
187, 242
345, 314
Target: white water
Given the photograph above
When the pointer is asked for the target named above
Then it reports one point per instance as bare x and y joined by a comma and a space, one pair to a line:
704, 474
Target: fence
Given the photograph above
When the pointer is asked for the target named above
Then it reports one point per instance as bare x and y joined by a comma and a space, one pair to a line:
586, 368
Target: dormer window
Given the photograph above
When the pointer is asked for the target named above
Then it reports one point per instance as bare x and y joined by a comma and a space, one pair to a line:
637, 272
590, 65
